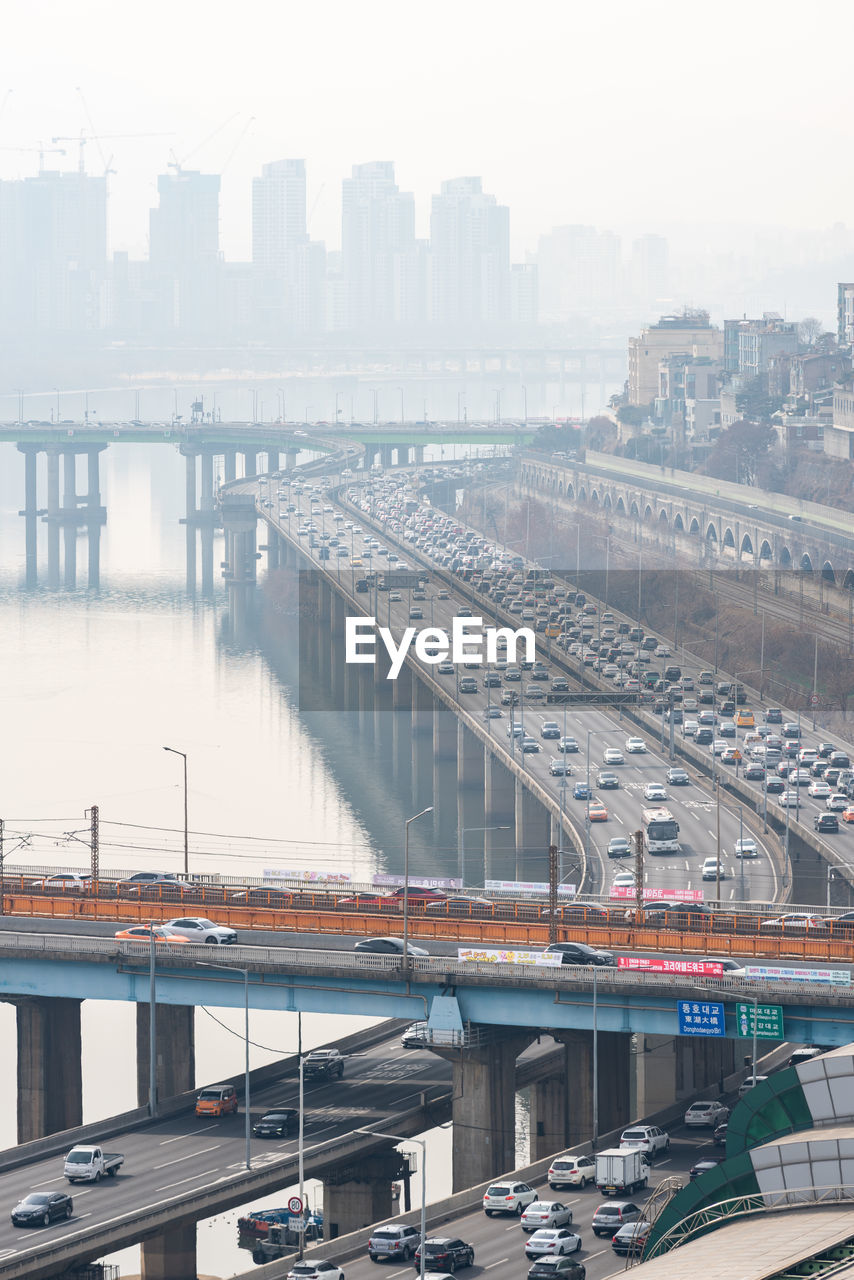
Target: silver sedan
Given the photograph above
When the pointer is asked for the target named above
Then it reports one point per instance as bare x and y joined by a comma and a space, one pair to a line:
545, 1213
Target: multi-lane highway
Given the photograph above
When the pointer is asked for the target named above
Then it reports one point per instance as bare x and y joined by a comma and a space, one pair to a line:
693, 806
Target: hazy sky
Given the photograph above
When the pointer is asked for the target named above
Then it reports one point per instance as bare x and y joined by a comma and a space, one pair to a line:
621, 114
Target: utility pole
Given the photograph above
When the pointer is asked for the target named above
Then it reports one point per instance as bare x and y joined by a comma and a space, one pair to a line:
638, 839
94, 844
553, 871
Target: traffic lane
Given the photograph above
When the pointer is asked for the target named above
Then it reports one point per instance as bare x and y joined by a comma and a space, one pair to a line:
163, 1161
499, 1243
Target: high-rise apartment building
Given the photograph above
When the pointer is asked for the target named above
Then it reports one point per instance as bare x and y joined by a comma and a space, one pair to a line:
184, 254
580, 271
470, 256
281, 268
377, 227
845, 315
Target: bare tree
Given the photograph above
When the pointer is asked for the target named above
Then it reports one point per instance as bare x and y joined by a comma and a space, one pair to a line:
809, 330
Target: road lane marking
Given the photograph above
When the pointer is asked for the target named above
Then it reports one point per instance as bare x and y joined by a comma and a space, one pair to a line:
512, 1227
490, 1265
200, 1174
206, 1128
595, 1255
49, 1182
188, 1157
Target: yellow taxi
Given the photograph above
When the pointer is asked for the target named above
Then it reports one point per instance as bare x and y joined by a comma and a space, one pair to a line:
744, 718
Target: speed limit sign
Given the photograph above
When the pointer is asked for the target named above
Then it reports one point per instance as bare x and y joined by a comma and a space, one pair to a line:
814, 699
295, 1204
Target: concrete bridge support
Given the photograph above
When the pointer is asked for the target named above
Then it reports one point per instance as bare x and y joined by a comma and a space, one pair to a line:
176, 1051
444, 763
31, 514
229, 464
69, 511
50, 1079
356, 1196
53, 519
94, 514
701, 1062
484, 1108
170, 1255
614, 1080
532, 835
499, 813
470, 780
423, 715
550, 1111
250, 462
291, 459
386, 454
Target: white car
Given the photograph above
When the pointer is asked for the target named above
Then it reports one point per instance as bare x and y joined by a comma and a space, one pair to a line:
654, 791
624, 880
552, 1242
571, 1171
646, 1138
818, 790
635, 746
789, 799
197, 929
706, 1115
612, 755
508, 1197
746, 1085
837, 801
317, 1269
710, 869
545, 1213
719, 746
746, 847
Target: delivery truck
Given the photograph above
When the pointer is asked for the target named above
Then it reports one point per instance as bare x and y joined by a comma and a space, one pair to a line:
621, 1170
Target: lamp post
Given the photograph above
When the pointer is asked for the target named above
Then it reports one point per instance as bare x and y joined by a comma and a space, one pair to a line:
423, 1145
587, 807
463, 830
407, 824
183, 755
204, 964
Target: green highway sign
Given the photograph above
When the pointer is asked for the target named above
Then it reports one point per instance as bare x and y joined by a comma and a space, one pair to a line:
593, 699
768, 1017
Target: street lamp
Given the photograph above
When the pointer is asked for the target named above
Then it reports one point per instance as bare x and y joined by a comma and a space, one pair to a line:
463, 830
423, 1145
183, 755
408, 823
204, 964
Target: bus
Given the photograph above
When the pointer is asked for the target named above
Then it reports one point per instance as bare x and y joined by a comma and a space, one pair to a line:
660, 831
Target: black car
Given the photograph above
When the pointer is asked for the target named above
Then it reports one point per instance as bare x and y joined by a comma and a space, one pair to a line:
443, 1253
754, 773
579, 953
826, 822
682, 915
703, 1166
559, 1268
41, 1208
678, 778
773, 715
276, 1123
774, 786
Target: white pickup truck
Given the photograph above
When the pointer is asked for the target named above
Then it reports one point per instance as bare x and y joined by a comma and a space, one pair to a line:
91, 1164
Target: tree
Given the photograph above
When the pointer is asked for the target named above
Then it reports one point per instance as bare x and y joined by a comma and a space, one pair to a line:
550, 438
809, 330
740, 451
754, 401
600, 430
633, 415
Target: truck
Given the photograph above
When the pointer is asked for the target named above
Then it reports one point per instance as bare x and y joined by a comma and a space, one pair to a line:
621, 1171
323, 1064
91, 1164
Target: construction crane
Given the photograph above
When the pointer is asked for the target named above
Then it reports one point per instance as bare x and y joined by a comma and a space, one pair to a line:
178, 165
41, 150
82, 138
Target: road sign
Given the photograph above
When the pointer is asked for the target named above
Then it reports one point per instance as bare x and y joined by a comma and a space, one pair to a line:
814, 699
295, 1204
700, 1018
769, 1021
593, 699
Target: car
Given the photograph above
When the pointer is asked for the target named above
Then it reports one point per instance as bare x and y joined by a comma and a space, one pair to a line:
625, 880
678, 778
560, 685
649, 1139
753, 772
394, 597
579, 953
654, 791
581, 791
608, 781
775, 786
836, 802
710, 869
791, 729
719, 1135
818, 790
468, 684
217, 1100
748, 1084
397, 1241
317, 1269
508, 1197
571, 1171
789, 799
154, 884
530, 746
612, 755
731, 755
703, 1166
415, 612
610, 1217
41, 1208
746, 847
386, 947
446, 668
596, 811
773, 715
632, 1237
553, 1241
559, 768
64, 882
550, 729
635, 746
794, 922
706, 1115
826, 822
276, 1123
618, 847
198, 929
804, 1054
415, 1036
545, 1213
492, 713
556, 1267
143, 932
568, 745
848, 813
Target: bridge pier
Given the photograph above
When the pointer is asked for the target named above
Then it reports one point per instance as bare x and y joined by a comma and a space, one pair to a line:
93, 511
291, 459
50, 1077
176, 1051
53, 519
470, 784
69, 511
532, 834
550, 1112
250, 463
499, 811
386, 454
229, 464
31, 513
357, 1196
484, 1107
171, 1255
272, 461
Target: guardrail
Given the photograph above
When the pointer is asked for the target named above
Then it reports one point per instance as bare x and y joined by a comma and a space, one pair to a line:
428, 968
